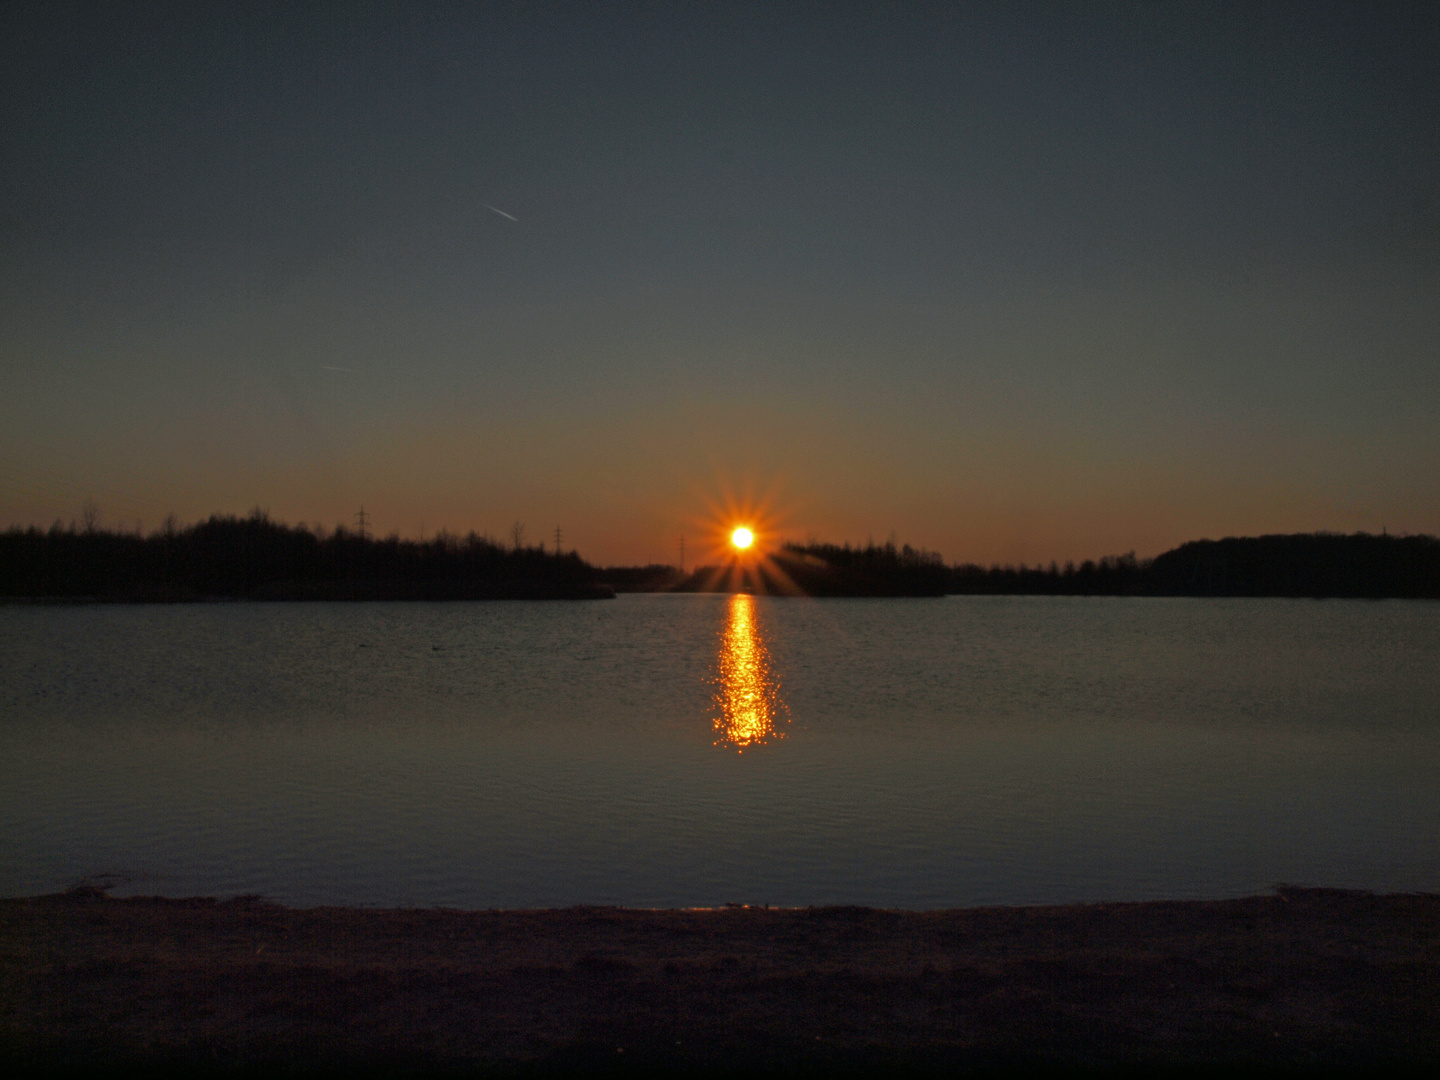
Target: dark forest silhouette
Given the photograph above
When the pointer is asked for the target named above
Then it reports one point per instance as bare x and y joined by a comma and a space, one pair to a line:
1359, 565
1308, 564
874, 570
259, 559
1114, 575
1298, 565
256, 558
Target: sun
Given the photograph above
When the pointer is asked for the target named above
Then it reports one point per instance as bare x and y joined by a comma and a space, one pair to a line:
738, 530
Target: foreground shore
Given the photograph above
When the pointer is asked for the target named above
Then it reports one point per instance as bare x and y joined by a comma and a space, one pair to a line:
1301, 978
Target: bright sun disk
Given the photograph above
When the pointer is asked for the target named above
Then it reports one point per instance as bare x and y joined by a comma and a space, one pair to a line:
742, 538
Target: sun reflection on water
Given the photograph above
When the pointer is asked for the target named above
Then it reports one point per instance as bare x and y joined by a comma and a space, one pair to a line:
748, 694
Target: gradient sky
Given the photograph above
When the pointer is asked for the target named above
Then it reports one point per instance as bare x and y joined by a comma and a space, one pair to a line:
1010, 282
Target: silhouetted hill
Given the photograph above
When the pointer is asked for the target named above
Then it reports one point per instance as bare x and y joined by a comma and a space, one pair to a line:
256, 558
1307, 564
1359, 565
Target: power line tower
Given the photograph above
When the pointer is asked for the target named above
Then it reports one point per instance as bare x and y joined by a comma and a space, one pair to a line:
364, 519
557, 540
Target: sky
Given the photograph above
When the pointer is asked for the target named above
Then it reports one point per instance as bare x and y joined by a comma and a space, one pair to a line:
1010, 282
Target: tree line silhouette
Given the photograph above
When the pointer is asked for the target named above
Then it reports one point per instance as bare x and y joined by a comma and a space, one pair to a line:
1358, 565
256, 558
873, 570
1114, 575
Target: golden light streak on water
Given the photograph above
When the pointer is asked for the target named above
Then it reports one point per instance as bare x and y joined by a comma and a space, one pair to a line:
748, 694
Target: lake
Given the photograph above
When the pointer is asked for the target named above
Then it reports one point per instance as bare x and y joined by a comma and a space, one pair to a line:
663, 750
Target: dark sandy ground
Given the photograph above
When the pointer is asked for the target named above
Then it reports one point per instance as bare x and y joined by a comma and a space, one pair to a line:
1303, 978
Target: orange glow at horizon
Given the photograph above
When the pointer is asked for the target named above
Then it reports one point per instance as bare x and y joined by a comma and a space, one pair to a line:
748, 694
738, 527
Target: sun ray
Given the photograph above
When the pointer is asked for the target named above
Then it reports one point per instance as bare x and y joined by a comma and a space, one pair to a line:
739, 534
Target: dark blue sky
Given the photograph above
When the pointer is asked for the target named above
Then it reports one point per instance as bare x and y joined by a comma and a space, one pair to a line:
1011, 282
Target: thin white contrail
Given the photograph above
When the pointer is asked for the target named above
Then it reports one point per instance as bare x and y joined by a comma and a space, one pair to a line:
502, 213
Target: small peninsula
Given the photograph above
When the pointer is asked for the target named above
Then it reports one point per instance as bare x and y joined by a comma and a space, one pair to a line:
254, 558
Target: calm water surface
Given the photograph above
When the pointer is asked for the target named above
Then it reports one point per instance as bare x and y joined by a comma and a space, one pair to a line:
693, 750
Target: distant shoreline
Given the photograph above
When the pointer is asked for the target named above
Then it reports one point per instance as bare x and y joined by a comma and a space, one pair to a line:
1301, 978
1300, 565
257, 559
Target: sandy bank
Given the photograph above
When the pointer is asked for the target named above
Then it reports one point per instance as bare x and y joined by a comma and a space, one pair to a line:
1305, 977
